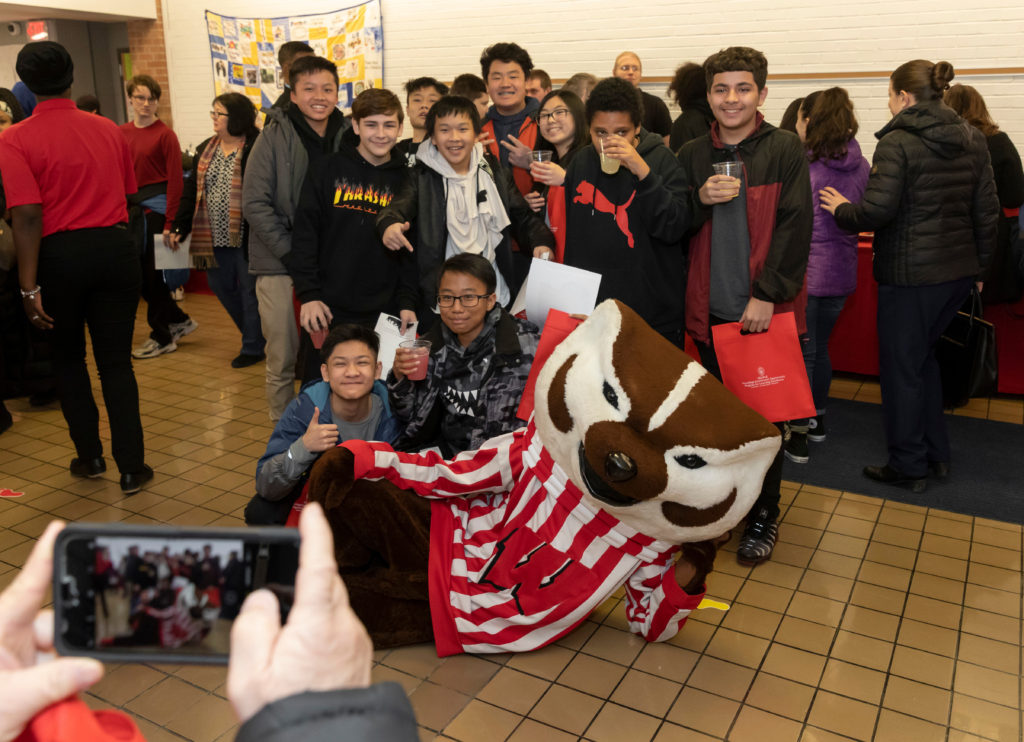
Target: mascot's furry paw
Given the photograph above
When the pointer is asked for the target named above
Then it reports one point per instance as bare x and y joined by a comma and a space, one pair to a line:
701, 556
331, 477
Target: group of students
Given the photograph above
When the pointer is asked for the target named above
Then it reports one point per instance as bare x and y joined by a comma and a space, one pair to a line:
330, 211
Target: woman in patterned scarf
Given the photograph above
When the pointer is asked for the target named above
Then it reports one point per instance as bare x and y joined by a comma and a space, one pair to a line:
211, 212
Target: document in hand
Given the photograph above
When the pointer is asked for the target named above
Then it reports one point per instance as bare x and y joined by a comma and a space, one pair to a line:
555, 286
387, 328
166, 259
766, 369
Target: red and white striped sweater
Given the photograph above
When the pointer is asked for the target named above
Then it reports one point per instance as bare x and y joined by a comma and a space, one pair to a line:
517, 558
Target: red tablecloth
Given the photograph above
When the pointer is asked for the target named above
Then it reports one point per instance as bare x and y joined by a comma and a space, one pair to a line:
854, 343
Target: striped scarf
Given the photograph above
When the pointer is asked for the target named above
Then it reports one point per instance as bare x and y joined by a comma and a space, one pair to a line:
201, 246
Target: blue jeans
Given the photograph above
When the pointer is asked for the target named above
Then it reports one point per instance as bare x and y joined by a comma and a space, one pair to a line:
236, 289
822, 314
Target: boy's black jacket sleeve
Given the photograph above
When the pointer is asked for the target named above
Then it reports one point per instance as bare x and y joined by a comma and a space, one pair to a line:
303, 260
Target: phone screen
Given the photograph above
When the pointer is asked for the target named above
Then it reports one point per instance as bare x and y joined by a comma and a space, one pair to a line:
149, 596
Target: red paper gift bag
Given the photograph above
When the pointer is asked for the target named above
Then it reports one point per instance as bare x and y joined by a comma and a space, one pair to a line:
557, 326
766, 369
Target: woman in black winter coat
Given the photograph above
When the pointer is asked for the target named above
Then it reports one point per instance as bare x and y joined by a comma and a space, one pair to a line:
1005, 282
931, 201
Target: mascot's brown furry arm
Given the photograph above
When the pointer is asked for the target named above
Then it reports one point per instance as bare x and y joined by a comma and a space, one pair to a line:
634, 462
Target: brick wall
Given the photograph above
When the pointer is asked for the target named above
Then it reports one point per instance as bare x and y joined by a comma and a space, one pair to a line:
149, 57
804, 37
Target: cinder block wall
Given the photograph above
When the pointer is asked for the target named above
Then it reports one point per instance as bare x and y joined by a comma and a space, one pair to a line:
148, 43
800, 37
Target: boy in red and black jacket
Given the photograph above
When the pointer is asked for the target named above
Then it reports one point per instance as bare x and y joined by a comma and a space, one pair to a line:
750, 235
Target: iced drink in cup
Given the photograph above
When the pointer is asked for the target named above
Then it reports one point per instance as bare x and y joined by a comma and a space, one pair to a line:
421, 349
541, 155
609, 165
731, 169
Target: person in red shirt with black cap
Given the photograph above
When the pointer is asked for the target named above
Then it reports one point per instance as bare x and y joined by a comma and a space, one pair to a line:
66, 174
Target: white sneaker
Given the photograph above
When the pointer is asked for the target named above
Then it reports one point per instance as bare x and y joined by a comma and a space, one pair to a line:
151, 349
178, 294
181, 329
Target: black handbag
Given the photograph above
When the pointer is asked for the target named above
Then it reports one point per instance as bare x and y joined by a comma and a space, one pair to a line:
966, 353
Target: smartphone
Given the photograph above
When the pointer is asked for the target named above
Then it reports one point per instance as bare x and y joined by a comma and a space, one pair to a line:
162, 594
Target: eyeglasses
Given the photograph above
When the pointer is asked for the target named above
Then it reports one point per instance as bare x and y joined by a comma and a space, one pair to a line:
557, 114
143, 100
217, 114
468, 300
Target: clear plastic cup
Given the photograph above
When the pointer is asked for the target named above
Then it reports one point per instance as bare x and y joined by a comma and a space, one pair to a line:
609, 165
541, 155
421, 349
732, 169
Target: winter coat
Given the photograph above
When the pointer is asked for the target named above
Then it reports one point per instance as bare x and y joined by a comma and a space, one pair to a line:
270, 191
1005, 281
483, 381
930, 200
832, 264
631, 231
422, 203
694, 121
778, 220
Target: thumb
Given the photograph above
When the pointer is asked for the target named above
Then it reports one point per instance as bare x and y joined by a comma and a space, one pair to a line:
406, 226
316, 418
253, 638
43, 685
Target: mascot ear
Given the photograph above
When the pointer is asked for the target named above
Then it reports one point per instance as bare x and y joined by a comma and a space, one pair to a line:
331, 477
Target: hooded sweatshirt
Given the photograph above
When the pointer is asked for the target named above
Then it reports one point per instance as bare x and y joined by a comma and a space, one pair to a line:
930, 199
631, 231
832, 263
336, 256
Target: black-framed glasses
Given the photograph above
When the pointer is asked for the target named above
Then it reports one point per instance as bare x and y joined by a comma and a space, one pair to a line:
467, 300
217, 114
558, 114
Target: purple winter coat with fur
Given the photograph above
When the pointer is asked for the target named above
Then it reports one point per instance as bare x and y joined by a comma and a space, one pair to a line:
832, 265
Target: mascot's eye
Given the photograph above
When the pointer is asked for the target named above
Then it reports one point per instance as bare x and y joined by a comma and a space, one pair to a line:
690, 461
610, 395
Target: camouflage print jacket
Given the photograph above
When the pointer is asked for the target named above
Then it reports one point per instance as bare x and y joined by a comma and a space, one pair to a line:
470, 394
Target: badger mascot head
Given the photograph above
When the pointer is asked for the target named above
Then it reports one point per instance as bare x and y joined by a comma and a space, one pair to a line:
646, 433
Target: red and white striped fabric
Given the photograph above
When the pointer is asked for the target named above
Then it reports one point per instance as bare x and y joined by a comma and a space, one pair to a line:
518, 559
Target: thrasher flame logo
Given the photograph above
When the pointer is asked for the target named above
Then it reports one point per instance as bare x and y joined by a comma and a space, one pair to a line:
464, 402
589, 195
362, 198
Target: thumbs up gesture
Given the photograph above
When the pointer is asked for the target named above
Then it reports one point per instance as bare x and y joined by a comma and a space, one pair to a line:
318, 437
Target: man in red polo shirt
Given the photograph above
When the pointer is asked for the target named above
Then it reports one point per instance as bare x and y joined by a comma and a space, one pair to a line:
66, 174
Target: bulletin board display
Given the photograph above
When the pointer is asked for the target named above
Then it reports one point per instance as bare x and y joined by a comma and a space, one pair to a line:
243, 51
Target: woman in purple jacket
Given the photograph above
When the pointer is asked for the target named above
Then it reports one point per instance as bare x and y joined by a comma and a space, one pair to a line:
827, 126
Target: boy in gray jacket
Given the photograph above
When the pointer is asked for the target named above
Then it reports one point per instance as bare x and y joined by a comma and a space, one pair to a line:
309, 129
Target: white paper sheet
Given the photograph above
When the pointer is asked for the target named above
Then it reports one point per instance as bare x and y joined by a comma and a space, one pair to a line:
552, 285
388, 329
167, 259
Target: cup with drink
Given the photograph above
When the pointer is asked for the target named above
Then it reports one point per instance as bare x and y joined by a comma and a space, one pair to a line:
730, 169
541, 155
420, 350
609, 165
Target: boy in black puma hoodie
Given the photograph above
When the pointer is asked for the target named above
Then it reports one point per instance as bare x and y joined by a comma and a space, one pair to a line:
629, 226
341, 270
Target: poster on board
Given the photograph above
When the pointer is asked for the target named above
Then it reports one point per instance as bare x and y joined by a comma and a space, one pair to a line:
243, 51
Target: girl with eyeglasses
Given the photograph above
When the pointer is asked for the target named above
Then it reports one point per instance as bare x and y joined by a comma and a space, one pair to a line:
562, 123
211, 212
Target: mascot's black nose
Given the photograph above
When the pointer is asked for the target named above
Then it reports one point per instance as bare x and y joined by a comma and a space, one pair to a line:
619, 466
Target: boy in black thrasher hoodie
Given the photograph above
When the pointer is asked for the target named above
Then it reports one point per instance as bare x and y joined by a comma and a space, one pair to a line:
341, 270
629, 226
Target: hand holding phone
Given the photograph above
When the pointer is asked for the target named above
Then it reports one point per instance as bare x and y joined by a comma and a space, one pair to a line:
26, 687
324, 645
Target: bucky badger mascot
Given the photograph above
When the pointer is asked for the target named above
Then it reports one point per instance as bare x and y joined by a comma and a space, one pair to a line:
634, 461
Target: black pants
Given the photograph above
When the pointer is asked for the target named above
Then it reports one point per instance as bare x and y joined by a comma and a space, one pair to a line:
161, 309
910, 321
92, 277
771, 489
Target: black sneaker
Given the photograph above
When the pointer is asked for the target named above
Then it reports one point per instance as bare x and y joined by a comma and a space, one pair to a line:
796, 448
816, 429
758, 539
90, 468
132, 482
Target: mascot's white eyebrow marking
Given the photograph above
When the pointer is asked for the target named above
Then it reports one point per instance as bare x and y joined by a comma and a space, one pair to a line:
693, 373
